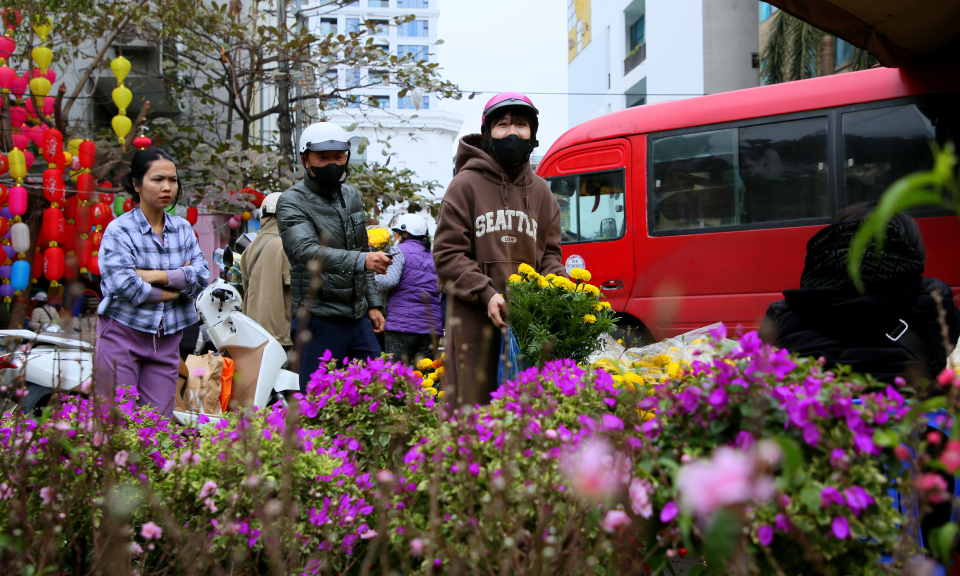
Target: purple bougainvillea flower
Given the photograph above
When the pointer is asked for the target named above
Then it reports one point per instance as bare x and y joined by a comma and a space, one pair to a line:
783, 523
830, 495
765, 534
858, 499
744, 441
669, 512
611, 423
837, 457
841, 528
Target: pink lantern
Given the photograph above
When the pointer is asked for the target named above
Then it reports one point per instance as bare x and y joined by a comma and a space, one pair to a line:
20, 141
7, 47
50, 75
36, 134
28, 156
6, 73
18, 115
18, 87
18, 200
31, 111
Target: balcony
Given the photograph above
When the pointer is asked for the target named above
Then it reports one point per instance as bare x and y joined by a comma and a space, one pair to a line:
634, 58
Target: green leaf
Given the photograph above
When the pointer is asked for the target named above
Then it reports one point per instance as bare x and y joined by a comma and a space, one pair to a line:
886, 438
941, 541
792, 455
721, 539
384, 439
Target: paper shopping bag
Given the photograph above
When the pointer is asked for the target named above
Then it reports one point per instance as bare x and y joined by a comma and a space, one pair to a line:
202, 392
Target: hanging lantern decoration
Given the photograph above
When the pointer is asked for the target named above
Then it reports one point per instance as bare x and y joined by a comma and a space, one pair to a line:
20, 237
17, 165
86, 188
118, 203
70, 267
97, 213
36, 270
83, 252
84, 220
53, 188
53, 148
53, 265
18, 88
18, 202
141, 142
20, 278
128, 205
192, 215
3, 194
4, 226
3, 164
53, 225
122, 98
95, 239
94, 267
87, 151
69, 236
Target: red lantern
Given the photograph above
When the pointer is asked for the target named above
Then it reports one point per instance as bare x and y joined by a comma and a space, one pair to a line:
94, 266
251, 195
70, 267
83, 251
84, 220
106, 197
52, 144
127, 205
53, 185
95, 239
36, 271
53, 225
71, 211
86, 187
3, 194
4, 226
53, 264
69, 236
193, 215
141, 142
96, 214
88, 154
3, 163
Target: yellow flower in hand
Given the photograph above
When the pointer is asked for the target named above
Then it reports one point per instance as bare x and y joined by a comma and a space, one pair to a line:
526, 270
589, 318
550, 277
580, 274
514, 278
542, 282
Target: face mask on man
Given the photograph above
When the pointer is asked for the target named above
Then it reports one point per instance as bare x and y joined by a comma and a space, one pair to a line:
511, 150
327, 176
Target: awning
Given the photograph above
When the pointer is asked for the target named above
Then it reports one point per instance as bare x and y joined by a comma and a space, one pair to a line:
895, 31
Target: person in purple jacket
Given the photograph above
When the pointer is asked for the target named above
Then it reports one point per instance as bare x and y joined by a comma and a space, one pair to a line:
413, 303
151, 267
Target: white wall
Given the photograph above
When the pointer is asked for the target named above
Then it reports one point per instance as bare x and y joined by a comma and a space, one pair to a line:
730, 39
674, 34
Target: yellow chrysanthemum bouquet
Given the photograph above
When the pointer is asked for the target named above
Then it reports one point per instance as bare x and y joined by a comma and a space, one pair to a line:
553, 317
379, 238
430, 371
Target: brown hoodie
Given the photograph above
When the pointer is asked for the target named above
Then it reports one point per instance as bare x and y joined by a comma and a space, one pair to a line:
487, 227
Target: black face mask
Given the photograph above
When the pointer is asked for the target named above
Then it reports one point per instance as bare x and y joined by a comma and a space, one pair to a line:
511, 150
329, 176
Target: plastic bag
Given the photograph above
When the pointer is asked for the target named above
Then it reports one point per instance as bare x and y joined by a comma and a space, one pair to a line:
226, 383
509, 355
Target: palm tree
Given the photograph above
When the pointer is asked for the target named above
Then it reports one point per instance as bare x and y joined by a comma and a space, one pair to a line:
791, 49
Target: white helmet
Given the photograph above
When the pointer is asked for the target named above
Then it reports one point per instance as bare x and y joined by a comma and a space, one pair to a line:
323, 136
269, 205
411, 224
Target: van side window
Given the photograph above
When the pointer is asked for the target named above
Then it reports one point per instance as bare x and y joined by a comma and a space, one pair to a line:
748, 175
884, 144
592, 206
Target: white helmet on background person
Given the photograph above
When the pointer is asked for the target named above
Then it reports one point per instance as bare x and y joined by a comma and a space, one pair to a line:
323, 136
412, 224
269, 205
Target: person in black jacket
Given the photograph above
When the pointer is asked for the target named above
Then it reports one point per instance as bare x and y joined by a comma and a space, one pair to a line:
892, 329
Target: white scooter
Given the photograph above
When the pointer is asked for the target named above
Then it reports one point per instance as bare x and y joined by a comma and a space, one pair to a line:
59, 361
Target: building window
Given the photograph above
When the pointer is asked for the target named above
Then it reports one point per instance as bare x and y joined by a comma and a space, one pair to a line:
406, 103
352, 77
767, 11
591, 206
842, 51
378, 3
328, 26
638, 102
380, 27
636, 33
415, 4
380, 101
753, 175
356, 156
353, 25
415, 29
418, 52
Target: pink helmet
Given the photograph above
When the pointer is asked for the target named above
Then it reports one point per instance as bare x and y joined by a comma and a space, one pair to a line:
505, 99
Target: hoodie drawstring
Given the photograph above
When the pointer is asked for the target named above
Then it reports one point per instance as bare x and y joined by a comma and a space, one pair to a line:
503, 190
526, 195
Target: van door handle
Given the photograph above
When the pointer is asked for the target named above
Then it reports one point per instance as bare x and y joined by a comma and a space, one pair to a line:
612, 285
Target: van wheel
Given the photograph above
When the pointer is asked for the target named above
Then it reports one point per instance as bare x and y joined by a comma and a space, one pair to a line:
632, 331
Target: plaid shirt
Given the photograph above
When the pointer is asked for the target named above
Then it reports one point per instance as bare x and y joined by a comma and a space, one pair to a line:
129, 244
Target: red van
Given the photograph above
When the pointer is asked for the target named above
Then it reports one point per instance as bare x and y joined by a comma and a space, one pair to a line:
697, 211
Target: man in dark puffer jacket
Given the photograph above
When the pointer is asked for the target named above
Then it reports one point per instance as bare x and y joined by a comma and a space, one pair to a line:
828, 317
